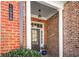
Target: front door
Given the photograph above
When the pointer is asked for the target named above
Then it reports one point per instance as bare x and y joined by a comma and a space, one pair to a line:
35, 39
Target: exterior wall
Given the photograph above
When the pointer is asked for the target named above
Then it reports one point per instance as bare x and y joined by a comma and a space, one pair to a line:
24, 24
10, 30
71, 28
45, 28
53, 47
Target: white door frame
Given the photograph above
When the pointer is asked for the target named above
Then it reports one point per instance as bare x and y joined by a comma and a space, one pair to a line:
41, 45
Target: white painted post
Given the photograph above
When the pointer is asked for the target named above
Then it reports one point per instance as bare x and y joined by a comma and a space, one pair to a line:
28, 25
60, 33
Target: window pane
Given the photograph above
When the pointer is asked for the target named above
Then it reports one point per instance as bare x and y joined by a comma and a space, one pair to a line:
34, 37
41, 37
40, 26
10, 12
36, 25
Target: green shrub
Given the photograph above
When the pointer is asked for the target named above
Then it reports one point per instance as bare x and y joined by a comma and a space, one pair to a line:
22, 53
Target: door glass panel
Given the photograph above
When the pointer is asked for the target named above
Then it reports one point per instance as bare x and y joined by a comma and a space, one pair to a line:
34, 36
41, 37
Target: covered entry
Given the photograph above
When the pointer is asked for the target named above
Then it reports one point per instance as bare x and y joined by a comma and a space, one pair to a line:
36, 36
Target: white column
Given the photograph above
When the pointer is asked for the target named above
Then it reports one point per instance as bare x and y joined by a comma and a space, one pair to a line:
28, 25
60, 33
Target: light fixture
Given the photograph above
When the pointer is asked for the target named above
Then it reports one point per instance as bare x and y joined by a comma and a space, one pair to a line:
39, 15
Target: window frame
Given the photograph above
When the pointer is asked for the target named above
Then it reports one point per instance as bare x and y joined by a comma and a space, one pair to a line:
10, 12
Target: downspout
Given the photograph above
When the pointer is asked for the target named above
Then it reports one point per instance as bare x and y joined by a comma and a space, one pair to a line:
21, 24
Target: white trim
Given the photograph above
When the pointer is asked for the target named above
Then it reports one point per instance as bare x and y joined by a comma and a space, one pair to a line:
51, 15
60, 33
35, 16
53, 4
28, 22
43, 36
40, 31
38, 22
40, 38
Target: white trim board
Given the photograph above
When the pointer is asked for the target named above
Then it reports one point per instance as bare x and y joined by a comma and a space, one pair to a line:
28, 25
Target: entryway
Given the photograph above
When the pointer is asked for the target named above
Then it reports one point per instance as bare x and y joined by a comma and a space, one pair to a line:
41, 12
36, 36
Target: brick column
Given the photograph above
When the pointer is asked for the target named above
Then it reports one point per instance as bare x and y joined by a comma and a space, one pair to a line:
71, 29
53, 46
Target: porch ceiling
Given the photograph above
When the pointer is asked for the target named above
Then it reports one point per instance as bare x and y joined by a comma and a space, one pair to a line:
46, 11
48, 8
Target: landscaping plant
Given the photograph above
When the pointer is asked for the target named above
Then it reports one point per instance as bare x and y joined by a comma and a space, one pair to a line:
22, 53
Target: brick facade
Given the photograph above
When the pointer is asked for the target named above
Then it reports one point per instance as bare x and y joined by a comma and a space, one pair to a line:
71, 28
53, 49
10, 30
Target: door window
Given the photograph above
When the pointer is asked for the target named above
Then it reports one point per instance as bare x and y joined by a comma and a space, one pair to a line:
34, 36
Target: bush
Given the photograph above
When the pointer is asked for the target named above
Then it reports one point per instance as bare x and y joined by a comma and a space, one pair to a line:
22, 53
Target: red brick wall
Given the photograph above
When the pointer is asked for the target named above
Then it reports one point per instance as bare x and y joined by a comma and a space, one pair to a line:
53, 49
71, 28
10, 30
45, 28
